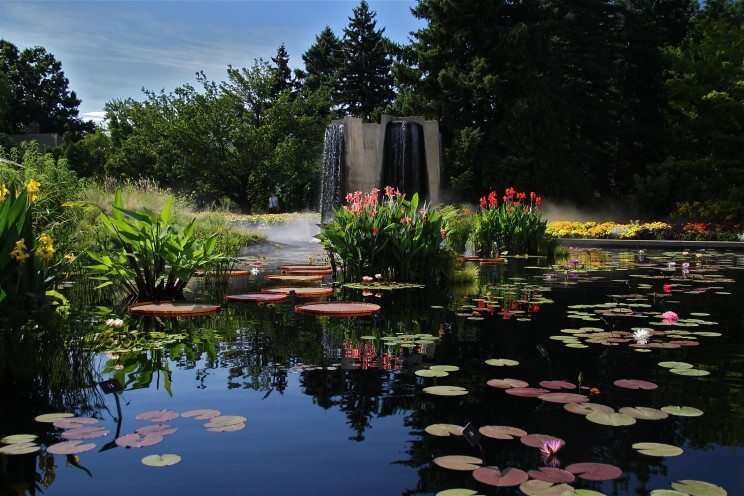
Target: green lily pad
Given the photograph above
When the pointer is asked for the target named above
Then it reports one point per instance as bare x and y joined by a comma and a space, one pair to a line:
657, 449
690, 372
445, 368
676, 365
502, 362
161, 460
582, 492
459, 462
51, 417
644, 413
666, 492
611, 419
446, 390
576, 345
431, 373
444, 430
457, 492
19, 449
18, 439
698, 488
682, 411
536, 487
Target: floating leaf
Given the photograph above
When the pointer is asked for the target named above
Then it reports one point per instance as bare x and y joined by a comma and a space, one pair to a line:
19, 449
445, 368
657, 449
157, 416
698, 488
507, 383
446, 390
552, 474
138, 441
542, 488
501, 431
582, 492
676, 365
587, 408
227, 428
444, 430
18, 439
204, 414
526, 392
85, 433
502, 362
537, 440
595, 471
635, 384
161, 429
644, 413
682, 411
666, 492
161, 460
459, 462
431, 373
457, 491
51, 417
557, 385
612, 419
690, 372
70, 448
563, 398
224, 420
500, 478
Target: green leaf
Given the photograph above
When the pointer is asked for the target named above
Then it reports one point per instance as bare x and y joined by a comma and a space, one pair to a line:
165, 214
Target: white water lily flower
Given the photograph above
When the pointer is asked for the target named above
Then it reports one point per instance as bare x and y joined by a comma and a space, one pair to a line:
641, 336
115, 323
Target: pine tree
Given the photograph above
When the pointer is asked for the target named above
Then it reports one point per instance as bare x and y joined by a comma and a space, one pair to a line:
323, 61
365, 78
282, 74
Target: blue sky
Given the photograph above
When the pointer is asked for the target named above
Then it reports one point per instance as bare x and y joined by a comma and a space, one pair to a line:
111, 49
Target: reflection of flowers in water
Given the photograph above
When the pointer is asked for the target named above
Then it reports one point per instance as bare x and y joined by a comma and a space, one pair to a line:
685, 268
254, 271
641, 336
548, 451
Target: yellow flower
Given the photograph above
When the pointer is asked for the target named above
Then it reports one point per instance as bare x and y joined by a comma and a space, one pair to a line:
3, 191
45, 249
32, 187
19, 252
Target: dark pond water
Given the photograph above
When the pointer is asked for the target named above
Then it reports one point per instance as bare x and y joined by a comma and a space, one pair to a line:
332, 408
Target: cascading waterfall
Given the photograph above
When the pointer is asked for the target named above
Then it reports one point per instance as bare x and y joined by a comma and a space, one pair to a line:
404, 165
332, 183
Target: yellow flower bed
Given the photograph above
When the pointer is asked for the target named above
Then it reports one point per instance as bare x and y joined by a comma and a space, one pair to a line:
604, 230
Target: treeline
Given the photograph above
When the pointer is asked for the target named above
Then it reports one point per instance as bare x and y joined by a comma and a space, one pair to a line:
634, 104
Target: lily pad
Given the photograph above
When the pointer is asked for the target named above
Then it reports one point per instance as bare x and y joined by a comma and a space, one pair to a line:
502, 362
595, 471
657, 449
158, 416
537, 440
587, 408
500, 478
161, 429
445, 368
444, 430
51, 417
70, 448
224, 420
501, 431
676, 365
644, 413
227, 427
557, 385
690, 372
459, 462
457, 491
611, 419
204, 414
85, 433
526, 392
635, 384
543, 488
19, 449
698, 488
666, 492
431, 373
18, 439
137, 440
554, 475
582, 492
507, 383
682, 411
164, 460
446, 390
563, 398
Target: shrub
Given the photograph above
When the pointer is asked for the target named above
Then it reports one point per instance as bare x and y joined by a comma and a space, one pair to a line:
516, 225
393, 236
460, 225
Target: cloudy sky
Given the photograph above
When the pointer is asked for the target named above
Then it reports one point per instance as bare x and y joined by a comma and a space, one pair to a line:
112, 49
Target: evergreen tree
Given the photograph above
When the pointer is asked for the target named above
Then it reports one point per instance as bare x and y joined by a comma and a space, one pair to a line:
282, 74
323, 61
365, 78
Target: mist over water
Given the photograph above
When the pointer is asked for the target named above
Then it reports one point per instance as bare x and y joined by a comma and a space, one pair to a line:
554, 211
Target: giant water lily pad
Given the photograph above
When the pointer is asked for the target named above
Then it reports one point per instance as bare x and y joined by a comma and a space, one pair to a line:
563, 398
657, 449
502, 362
526, 392
682, 411
501, 431
611, 419
595, 471
554, 475
542, 488
644, 413
635, 384
446, 390
19, 449
537, 440
587, 408
500, 478
70, 448
444, 430
164, 460
459, 462
698, 488
507, 383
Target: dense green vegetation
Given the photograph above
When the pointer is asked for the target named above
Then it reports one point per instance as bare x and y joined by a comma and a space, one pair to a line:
635, 103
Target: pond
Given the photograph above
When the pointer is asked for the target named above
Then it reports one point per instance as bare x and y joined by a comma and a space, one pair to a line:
317, 405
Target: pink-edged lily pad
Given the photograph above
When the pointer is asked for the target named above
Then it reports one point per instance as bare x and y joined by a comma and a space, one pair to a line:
158, 416
557, 385
500, 478
501, 431
459, 462
635, 384
587, 408
227, 427
507, 383
161, 429
552, 474
203, 414
595, 471
542, 488
526, 392
138, 441
685, 343
70, 448
563, 398
537, 440
224, 420
85, 433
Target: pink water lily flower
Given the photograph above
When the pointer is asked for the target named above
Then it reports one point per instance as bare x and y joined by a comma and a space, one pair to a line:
378, 276
552, 446
367, 279
669, 317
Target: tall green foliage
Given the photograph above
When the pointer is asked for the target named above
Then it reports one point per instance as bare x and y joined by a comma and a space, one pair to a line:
322, 62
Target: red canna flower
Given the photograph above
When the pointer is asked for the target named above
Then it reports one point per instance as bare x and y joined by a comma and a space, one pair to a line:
521, 196
510, 192
483, 203
538, 200
533, 195
492, 200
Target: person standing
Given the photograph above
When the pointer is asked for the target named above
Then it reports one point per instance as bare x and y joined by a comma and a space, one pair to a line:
273, 204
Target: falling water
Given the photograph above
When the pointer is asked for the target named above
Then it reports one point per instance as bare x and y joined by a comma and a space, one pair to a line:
405, 158
332, 183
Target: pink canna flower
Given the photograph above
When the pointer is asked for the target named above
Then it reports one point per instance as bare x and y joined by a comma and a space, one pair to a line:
552, 446
669, 317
